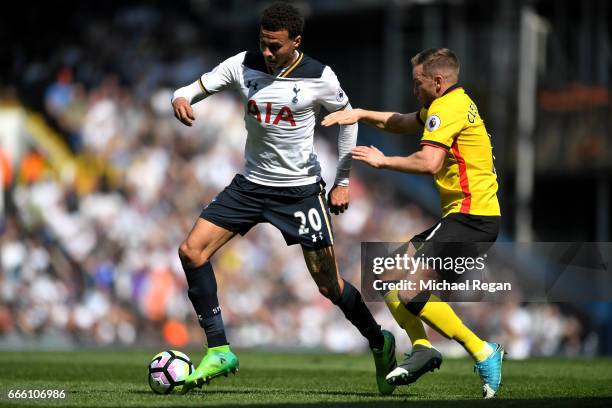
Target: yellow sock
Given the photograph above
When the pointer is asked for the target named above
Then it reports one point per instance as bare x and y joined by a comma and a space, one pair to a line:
441, 317
407, 321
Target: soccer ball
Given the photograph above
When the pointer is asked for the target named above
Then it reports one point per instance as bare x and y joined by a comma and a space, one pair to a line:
168, 370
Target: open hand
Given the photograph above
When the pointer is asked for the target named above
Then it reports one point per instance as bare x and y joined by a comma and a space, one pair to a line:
369, 155
342, 117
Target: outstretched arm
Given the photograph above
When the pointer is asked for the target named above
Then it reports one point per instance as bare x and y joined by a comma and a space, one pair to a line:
428, 160
392, 122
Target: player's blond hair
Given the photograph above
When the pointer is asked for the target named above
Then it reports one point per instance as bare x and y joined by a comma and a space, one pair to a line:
438, 61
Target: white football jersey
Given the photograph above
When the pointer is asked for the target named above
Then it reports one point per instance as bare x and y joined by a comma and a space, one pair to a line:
280, 114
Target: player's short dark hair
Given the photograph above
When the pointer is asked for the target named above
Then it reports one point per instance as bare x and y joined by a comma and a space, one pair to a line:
283, 16
437, 59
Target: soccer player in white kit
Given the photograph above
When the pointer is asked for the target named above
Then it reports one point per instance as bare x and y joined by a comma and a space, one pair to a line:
283, 90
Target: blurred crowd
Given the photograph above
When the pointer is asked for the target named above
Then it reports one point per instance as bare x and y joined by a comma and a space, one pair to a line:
100, 267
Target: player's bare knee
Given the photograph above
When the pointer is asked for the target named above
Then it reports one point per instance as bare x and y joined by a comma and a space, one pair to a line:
406, 296
191, 257
185, 254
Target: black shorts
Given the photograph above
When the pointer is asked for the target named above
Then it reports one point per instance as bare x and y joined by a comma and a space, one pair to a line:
457, 236
300, 213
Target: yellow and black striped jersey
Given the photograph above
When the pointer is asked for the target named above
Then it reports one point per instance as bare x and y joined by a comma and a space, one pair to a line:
467, 181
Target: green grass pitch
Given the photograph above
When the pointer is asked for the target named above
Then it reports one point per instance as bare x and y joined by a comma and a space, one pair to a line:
119, 378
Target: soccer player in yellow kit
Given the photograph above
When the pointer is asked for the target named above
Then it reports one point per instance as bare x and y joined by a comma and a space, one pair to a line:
456, 150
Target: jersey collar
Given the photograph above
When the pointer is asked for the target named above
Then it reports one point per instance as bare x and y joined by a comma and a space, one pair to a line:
302, 67
452, 88
285, 72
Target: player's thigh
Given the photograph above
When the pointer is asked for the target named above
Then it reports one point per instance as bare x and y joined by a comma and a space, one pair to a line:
304, 219
204, 239
238, 207
323, 268
452, 246
321, 263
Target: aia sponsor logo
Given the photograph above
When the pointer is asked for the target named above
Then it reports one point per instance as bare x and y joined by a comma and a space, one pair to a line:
284, 114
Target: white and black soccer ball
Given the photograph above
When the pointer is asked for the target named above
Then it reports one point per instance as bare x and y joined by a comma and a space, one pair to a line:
168, 370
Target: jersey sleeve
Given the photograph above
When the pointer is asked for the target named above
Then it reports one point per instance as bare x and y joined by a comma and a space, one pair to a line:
441, 125
329, 93
223, 76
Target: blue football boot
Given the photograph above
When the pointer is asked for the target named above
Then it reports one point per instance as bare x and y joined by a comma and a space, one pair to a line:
490, 371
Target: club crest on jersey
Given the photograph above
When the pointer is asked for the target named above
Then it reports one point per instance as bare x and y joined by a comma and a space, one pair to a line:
295, 91
340, 95
433, 122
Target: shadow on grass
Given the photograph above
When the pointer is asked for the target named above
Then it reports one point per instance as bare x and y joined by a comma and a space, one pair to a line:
404, 400
286, 391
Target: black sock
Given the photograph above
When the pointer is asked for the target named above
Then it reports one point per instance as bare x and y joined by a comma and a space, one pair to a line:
357, 312
203, 295
417, 303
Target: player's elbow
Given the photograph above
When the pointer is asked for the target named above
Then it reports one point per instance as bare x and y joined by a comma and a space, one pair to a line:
393, 124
